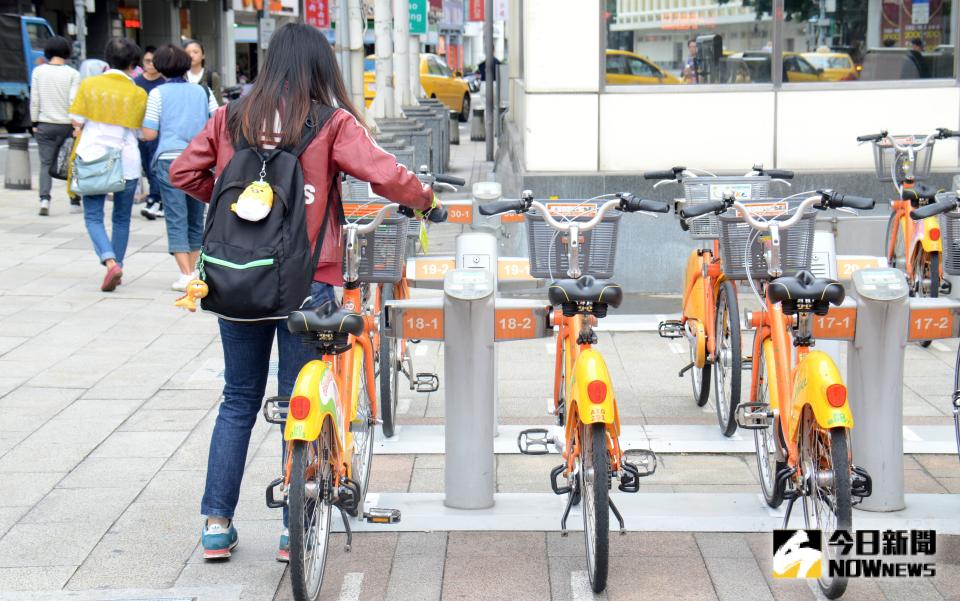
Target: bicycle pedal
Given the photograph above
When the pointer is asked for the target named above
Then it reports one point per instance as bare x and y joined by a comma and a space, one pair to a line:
861, 484
272, 501
754, 416
946, 287
746, 363
275, 409
671, 328
556, 473
348, 496
643, 460
534, 441
426, 382
382, 516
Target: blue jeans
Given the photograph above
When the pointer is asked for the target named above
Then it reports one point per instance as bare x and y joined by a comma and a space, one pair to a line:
147, 150
184, 214
113, 246
246, 357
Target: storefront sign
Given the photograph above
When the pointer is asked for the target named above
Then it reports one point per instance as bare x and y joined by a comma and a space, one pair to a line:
317, 13
418, 17
476, 10
289, 8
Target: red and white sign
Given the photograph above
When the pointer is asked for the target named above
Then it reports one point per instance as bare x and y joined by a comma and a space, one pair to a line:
476, 12
317, 13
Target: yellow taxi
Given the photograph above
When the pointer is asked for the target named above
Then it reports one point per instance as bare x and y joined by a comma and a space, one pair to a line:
837, 66
796, 69
627, 68
436, 78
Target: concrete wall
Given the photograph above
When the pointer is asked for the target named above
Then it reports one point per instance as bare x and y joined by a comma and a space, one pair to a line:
571, 138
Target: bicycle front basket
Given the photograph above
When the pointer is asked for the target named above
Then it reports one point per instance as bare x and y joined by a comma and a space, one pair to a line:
885, 156
548, 247
796, 243
950, 230
699, 190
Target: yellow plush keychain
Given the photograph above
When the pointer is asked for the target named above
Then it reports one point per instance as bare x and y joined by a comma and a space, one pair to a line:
424, 239
256, 200
196, 290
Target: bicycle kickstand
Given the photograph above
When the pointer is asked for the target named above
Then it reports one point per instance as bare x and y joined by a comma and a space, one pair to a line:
786, 517
566, 513
347, 529
616, 512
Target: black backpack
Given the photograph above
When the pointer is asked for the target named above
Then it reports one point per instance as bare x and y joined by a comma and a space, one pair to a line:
257, 270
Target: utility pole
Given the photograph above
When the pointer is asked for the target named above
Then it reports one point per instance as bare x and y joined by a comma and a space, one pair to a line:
490, 112
401, 47
414, 68
356, 55
80, 9
382, 17
343, 42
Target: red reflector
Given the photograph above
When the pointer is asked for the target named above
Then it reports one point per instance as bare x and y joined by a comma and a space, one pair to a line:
934, 233
299, 407
597, 390
837, 395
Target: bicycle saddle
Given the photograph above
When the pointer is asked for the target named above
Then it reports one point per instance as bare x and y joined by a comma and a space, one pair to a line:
328, 317
818, 292
921, 192
586, 289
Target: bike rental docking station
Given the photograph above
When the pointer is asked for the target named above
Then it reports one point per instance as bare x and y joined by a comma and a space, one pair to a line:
877, 320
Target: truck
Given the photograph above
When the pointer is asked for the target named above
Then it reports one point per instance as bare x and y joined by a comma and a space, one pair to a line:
21, 44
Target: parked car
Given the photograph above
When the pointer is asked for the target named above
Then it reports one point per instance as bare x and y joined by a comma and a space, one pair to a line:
796, 69
436, 78
836, 66
628, 68
22, 39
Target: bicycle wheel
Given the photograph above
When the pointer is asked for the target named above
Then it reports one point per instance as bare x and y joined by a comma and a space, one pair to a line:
389, 372
926, 278
765, 443
594, 484
895, 257
827, 506
699, 377
310, 511
727, 363
956, 389
363, 434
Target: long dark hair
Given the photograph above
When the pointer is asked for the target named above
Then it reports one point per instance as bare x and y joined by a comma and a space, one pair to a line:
300, 70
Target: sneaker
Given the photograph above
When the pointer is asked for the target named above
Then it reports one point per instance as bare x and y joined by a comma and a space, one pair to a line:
283, 553
112, 279
44, 206
218, 541
183, 281
75, 206
148, 209
158, 210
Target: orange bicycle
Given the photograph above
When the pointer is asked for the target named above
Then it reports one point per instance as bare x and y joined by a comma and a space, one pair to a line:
566, 239
710, 317
912, 245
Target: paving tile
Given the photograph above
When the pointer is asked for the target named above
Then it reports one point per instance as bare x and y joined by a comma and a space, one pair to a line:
496, 544
416, 578
39, 545
183, 399
140, 444
522, 473
939, 465
10, 516
501, 578
631, 544
45, 456
113, 472
102, 506
422, 543
390, 473
26, 489
151, 420
737, 579
704, 469
31, 579
258, 581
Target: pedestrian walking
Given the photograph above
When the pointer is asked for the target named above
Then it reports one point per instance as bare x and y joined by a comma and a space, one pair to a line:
107, 114
299, 84
176, 112
53, 87
210, 80
148, 80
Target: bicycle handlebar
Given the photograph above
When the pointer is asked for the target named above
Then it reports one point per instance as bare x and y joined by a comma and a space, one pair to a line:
502, 206
434, 215
366, 228
449, 179
777, 173
873, 137
625, 202
945, 202
702, 209
669, 174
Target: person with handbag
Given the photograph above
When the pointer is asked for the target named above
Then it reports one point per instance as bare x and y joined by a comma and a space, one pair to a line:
53, 87
176, 112
107, 114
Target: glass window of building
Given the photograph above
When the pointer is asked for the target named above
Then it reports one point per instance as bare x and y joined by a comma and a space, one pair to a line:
731, 42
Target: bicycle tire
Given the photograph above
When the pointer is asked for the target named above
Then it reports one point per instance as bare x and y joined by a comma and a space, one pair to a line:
956, 389
727, 350
841, 507
307, 579
596, 502
897, 254
931, 262
764, 441
699, 377
389, 372
361, 460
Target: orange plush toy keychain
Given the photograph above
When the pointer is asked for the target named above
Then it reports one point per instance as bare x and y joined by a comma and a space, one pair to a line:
196, 290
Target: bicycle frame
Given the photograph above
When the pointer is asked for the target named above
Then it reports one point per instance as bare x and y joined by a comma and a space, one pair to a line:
918, 236
584, 365
703, 277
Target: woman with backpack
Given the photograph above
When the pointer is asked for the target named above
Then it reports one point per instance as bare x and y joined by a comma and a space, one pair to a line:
291, 103
210, 80
176, 112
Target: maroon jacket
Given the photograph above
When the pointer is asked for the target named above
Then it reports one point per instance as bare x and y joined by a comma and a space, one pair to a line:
342, 145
